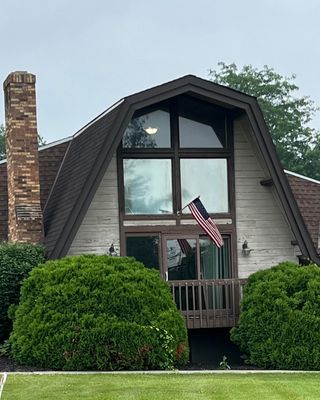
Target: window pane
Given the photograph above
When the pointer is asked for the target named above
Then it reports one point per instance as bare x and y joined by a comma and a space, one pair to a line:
144, 249
197, 134
148, 131
201, 124
181, 255
147, 186
214, 262
207, 178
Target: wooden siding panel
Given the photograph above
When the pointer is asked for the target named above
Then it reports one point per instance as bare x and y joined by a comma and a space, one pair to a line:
100, 226
259, 217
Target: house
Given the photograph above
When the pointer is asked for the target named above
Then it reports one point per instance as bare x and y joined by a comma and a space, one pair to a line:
119, 185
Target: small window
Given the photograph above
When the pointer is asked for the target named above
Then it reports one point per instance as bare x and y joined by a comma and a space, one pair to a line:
208, 178
149, 131
147, 186
144, 249
201, 124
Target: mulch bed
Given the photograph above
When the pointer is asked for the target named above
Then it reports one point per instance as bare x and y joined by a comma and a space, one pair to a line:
9, 365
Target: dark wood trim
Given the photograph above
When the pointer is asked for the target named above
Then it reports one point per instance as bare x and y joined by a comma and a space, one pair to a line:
175, 229
232, 194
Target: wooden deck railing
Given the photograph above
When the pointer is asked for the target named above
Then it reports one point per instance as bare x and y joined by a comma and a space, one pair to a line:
208, 303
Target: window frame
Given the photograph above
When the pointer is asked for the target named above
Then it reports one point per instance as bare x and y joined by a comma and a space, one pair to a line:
175, 153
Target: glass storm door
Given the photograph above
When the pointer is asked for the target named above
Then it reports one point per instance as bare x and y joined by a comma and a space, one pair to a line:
193, 258
180, 258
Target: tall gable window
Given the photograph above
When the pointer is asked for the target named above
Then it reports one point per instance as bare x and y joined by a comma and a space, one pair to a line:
172, 153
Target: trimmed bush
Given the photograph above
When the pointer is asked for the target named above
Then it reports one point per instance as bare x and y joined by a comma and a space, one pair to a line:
16, 261
98, 312
280, 320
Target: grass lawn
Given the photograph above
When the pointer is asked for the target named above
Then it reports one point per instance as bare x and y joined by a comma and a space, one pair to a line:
166, 387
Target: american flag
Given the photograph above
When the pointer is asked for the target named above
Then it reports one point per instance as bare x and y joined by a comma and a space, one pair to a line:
185, 246
200, 214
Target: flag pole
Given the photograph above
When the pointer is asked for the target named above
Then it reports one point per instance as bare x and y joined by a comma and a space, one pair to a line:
180, 212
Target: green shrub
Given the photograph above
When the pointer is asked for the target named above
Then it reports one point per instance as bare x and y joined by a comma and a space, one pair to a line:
97, 312
16, 261
280, 320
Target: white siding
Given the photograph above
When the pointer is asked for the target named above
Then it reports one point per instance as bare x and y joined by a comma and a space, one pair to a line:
100, 226
259, 216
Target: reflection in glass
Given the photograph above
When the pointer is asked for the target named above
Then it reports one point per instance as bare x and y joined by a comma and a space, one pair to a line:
181, 261
147, 186
208, 178
148, 131
214, 262
144, 249
197, 134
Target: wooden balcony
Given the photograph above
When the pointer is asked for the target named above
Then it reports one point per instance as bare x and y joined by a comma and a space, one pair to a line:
208, 303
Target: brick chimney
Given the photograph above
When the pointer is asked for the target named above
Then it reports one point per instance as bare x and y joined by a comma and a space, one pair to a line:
24, 208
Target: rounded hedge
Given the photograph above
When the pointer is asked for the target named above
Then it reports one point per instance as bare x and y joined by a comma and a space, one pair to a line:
16, 261
279, 324
97, 312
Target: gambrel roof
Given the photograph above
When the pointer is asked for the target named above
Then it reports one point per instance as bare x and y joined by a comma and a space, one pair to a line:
89, 153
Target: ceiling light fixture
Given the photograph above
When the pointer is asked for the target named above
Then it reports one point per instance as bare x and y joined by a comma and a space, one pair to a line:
151, 131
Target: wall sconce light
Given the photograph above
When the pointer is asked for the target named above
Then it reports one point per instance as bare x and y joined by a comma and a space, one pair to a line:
245, 249
112, 251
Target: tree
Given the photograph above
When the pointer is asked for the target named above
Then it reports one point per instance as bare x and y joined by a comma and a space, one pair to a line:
287, 115
3, 142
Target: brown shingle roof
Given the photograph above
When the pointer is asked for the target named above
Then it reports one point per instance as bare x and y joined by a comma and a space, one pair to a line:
307, 195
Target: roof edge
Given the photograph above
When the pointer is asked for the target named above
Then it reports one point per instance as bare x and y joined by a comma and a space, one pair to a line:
115, 105
302, 176
47, 146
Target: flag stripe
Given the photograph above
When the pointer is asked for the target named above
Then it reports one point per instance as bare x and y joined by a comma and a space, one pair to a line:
207, 224
211, 232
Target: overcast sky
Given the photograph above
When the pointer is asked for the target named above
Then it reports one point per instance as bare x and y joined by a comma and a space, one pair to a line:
88, 54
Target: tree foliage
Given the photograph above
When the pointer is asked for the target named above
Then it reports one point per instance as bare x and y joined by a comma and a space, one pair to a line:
3, 142
287, 115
